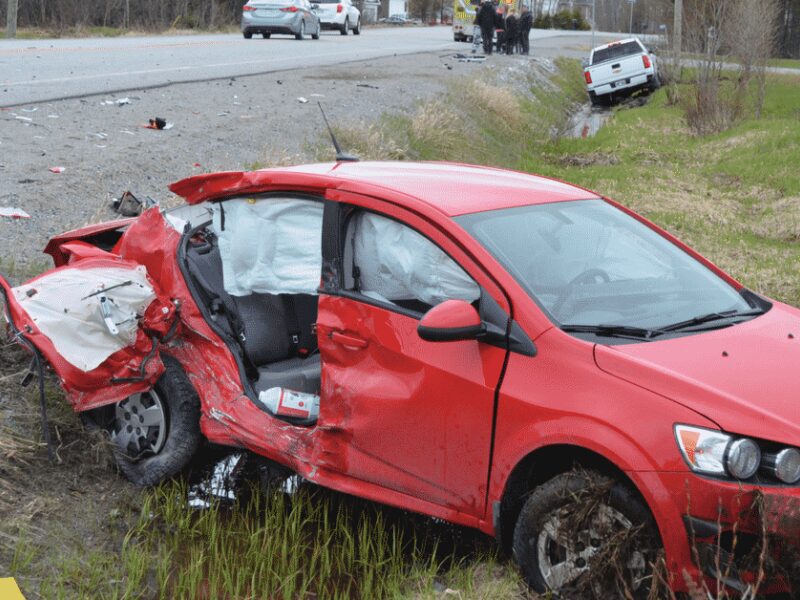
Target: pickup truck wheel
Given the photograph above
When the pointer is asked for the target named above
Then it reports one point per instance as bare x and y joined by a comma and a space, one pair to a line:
156, 433
585, 535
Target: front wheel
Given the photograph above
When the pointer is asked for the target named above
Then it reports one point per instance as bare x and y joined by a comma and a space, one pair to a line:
156, 433
585, 535
248, 35
345, 27
357, 28
315, 36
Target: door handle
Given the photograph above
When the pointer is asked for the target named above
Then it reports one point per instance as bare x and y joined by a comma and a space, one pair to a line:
350, 341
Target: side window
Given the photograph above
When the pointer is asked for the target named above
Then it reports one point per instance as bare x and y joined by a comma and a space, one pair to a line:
390, 262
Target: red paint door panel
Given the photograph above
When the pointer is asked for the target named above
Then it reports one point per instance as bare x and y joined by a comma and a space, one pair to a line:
417, 414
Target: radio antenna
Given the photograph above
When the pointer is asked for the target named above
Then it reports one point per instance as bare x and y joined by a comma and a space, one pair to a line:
340, 156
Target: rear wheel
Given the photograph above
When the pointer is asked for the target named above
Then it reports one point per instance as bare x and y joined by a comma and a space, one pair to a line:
266, 35
315, 36
357, 28
345, 27
302, 33
248, 35
156, 433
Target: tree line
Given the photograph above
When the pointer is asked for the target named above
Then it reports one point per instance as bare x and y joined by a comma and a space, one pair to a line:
645, 16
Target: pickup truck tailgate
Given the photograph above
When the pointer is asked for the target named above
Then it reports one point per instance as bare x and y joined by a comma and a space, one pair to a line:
624, 67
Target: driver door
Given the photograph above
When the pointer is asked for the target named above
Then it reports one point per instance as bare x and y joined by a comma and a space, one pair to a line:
417, 416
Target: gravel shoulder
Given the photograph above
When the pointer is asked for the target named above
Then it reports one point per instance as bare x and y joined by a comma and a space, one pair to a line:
231, 124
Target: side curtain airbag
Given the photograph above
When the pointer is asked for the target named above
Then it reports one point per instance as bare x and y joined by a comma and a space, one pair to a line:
269, 246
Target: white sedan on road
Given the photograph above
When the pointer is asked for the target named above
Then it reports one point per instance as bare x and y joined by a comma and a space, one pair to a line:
338, 14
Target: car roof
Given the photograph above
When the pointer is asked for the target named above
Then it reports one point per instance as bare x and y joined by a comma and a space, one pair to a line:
450, 188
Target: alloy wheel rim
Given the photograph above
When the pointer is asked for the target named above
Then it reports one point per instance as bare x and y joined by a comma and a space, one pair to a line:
564, 556
141, 424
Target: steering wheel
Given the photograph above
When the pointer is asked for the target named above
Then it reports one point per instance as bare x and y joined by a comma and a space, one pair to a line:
593, 275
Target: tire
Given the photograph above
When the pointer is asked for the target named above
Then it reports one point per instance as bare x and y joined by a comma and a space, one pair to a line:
180, 429
315, 36
266, 35
346, 26
302, 33
357, 28
248, 35
562, 532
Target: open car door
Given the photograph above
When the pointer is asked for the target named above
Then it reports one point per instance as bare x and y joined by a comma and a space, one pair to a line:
96, 321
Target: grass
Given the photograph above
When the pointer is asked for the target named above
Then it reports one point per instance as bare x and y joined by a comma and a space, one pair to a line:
735, 196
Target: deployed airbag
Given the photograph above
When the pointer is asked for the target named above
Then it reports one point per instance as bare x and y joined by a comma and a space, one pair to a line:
269, 246
400, 264
66, 307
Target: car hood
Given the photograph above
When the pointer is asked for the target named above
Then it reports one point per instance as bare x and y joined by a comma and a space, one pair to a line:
746, 377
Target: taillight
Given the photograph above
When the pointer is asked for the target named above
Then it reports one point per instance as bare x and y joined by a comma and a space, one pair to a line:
646, 61
248, 8
588, 76
289, 9
339, 8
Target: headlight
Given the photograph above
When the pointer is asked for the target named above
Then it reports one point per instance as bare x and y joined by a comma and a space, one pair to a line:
743, 458
713, 452
703, 449
784, 465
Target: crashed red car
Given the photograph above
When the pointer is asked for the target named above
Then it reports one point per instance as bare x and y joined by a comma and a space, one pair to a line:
478, 345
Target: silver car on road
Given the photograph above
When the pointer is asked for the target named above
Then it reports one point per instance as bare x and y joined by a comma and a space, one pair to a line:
292, 17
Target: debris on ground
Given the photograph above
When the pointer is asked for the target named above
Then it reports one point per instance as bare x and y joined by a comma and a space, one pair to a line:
118, 102
158, 123
57, 169
302, 100
367, 85
479, 58
12, 212
23, 119
129, 205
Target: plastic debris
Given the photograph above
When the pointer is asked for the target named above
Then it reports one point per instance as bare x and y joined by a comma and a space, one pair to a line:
367, 85
302, 100
12, 212
24, 119
129, 205
53, 116
57, 169
158, 123
30, 110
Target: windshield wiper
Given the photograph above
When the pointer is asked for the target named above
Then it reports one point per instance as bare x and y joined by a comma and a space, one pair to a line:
621, 331
711, 317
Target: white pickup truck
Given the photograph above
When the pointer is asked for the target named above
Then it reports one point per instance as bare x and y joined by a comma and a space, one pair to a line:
619, 69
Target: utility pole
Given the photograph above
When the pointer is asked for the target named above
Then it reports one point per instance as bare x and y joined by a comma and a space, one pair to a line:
11, 19
630, 24
677, 28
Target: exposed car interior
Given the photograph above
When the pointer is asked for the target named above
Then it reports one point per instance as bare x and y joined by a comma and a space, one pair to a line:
272, 332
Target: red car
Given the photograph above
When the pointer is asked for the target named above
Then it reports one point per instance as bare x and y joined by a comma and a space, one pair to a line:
478, 345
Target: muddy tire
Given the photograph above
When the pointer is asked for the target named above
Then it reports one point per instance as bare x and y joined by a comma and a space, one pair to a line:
584, 535
164, 454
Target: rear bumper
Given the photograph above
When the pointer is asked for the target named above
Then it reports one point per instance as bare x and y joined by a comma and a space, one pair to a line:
625, 85
283, 23
724, 532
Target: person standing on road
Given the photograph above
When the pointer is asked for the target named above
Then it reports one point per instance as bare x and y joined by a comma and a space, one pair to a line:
485, 19
500, 28
511, 32
525, 24
477, 36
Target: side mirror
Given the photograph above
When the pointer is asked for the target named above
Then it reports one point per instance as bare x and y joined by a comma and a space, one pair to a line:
450, 321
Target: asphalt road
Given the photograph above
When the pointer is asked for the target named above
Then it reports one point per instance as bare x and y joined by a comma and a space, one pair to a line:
45, 70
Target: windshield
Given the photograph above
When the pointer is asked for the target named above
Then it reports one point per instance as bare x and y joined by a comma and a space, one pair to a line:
616, 51
586, 262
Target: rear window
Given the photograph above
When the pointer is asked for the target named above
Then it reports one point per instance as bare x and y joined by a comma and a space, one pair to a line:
615, 52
